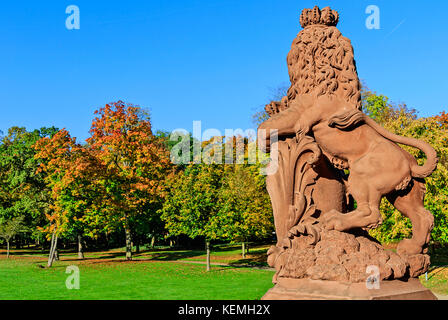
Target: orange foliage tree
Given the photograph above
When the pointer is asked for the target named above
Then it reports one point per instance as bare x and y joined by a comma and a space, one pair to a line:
442, 118
135, 164
58, 158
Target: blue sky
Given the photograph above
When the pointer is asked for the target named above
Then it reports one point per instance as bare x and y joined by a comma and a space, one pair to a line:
209, 60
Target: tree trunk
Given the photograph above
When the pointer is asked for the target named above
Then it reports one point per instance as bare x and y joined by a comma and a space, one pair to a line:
128, 245
50, 255
7, 249
207, 248
53, 250
153, 240
56, 254
18, 246
137, 244
107, 241
243, 249
80, 252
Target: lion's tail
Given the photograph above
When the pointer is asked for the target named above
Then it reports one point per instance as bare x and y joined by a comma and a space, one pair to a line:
431, 154
349, 119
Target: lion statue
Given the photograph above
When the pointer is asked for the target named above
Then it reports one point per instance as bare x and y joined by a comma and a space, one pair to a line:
324, 102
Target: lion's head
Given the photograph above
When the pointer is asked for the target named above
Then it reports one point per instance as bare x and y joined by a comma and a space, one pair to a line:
321, 60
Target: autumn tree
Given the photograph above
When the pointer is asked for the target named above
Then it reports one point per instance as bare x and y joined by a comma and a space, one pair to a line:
57, 158
135, 165
442, 118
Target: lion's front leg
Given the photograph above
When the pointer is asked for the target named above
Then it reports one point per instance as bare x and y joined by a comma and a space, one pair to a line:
366, 215
281, 124
309, 118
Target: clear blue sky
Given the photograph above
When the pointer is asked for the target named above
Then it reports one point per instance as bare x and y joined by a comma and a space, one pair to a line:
209, 60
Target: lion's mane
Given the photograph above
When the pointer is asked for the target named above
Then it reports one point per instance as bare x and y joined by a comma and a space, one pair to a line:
321, 60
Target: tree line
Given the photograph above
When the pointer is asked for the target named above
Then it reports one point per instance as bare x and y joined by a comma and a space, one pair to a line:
120, 187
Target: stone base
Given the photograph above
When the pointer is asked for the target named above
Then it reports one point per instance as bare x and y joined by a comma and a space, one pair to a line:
307, 289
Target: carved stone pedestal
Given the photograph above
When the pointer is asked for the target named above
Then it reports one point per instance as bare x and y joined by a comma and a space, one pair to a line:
306, 289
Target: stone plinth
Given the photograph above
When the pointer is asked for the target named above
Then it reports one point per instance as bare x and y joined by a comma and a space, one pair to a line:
307, 289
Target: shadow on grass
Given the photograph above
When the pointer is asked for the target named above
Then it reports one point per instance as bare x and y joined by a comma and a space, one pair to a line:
439, 258
147, 255
25, 252
175, 255
103, 256
432, 274
256, 257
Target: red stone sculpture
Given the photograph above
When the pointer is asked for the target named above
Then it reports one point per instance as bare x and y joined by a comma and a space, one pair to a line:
329, 154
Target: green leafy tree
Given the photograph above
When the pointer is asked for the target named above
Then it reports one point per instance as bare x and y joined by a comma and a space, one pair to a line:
9, 229
191, 202
23, 191
245, 211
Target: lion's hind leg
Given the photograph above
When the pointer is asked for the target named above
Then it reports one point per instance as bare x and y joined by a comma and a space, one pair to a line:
410, 203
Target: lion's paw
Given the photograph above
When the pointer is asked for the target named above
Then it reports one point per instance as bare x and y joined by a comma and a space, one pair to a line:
333, 220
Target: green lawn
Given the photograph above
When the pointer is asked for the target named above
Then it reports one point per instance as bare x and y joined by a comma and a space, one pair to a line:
163, 274
437, 280
438, 272
107, 276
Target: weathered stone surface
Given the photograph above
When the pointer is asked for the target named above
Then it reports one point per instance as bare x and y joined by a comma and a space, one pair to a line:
331, 272
341, 256
335, 242
397, 264
368, 246
356, 265
418, 264
297, 263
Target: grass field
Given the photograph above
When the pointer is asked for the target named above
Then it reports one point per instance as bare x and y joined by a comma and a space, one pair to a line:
155, 275
161, 275
438, 273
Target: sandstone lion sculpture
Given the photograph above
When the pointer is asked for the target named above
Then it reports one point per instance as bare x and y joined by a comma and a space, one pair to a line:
322, 131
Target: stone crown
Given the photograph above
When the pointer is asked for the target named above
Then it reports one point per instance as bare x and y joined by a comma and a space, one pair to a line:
315, 16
